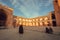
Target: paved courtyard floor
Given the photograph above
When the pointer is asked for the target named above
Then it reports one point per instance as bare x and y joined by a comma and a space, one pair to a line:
30, 33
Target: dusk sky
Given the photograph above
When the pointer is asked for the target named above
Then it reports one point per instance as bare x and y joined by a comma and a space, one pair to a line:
29, 8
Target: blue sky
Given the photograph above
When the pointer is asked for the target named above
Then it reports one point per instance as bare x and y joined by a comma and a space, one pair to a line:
29, 8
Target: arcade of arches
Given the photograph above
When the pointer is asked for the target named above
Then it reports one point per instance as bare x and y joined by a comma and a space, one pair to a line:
32, 21
38, 21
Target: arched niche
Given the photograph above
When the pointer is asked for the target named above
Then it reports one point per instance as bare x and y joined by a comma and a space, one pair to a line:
3, 18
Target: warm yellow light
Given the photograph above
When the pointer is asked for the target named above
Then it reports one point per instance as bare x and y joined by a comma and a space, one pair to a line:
36, 19
33, 24
30, 20
46, 18
41, 19
36, 23
41, 23
24, 23
33, 19
20, 19
24, 20
30, 24
46, 22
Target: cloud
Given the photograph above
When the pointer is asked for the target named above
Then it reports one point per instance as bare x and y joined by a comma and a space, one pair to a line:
49, 2
2, 3
30, 8
14, 2
24, 11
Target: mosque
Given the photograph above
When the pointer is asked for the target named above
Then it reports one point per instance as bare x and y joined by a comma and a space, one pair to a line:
7, 19
52, 19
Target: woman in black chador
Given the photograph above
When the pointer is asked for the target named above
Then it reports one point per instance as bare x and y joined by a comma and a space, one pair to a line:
50, 30
21, 29
47, 30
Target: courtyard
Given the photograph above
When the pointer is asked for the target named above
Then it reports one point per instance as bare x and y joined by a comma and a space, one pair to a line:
30, 33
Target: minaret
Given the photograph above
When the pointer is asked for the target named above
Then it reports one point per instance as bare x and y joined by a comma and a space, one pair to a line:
56, 4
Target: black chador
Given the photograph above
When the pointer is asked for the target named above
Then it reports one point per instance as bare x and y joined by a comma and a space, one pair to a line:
21, 29
47, 30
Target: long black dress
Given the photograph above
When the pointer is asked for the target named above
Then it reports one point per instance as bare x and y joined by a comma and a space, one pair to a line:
47, 30
50, 30
21, 29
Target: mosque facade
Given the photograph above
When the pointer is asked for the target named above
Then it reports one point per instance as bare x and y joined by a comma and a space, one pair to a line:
7, 19
52, 19
48, 20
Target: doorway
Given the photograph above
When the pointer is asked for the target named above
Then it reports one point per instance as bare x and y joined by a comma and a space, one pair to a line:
3, 18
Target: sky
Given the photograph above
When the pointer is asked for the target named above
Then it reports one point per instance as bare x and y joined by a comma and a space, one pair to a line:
29, 8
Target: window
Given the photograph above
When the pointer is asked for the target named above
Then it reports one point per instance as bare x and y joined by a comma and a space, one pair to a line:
53, 16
